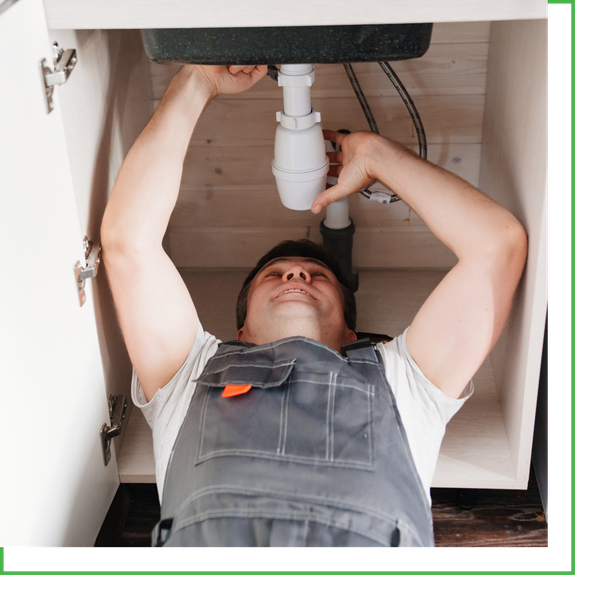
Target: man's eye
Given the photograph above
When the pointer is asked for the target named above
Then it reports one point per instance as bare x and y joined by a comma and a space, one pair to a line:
275, 273
316, 273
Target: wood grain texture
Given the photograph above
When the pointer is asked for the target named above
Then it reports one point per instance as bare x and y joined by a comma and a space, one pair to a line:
500, 518
445, 69
228, 207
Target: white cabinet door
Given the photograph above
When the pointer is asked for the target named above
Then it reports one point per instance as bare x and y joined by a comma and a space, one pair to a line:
55, 487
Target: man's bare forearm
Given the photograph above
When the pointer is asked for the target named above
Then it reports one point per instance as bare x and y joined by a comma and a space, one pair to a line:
147, 187
462, 217
156, 312
462, 318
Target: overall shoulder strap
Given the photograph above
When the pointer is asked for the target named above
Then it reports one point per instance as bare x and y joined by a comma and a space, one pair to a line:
237, 343
363, 349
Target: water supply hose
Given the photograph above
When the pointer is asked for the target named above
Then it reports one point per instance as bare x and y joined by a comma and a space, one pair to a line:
412, 109
361, 97
410, 105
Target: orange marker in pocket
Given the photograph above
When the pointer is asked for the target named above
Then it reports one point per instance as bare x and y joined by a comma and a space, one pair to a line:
235, 390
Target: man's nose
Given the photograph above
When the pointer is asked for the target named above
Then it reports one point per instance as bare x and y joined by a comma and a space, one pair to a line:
296, 271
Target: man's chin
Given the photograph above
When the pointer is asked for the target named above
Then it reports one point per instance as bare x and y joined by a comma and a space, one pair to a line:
295, 309
293, 319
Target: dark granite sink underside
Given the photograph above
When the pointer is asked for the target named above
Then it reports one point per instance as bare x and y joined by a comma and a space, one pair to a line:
288, 45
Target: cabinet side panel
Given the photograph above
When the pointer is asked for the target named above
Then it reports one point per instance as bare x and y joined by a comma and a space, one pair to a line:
56, 488
513, 173
106, 103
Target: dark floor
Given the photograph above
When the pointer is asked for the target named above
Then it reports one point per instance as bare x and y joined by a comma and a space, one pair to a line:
497, 518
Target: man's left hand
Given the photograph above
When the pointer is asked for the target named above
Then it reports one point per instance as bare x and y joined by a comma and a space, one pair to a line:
230, 80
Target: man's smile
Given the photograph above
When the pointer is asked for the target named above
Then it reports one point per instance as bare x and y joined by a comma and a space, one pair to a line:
295, 291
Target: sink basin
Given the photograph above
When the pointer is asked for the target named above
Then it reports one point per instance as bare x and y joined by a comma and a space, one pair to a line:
287, 45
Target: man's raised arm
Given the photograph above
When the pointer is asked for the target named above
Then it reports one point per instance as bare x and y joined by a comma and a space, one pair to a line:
462, 319
155, 310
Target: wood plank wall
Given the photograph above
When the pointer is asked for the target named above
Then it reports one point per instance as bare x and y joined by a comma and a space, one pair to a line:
229, 213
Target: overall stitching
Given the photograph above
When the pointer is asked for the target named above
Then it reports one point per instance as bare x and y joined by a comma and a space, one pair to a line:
283, 419
279, 452
244, 365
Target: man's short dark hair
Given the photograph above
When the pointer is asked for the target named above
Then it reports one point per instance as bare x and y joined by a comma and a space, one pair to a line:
305, 249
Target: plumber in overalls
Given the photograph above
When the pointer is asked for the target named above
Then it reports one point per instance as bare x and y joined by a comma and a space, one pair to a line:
296, 433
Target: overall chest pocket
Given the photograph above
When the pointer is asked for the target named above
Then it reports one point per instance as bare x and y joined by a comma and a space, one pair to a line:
287, 415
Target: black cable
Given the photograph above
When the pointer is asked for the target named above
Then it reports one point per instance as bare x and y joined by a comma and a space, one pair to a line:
361, 97
412, 109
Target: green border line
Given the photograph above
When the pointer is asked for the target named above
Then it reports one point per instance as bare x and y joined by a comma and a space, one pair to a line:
571, 572
573, 261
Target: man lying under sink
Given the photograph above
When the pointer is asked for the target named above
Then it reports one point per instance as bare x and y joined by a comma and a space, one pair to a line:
296, 433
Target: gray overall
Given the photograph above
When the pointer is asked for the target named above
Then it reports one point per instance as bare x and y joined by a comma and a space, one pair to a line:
314, 454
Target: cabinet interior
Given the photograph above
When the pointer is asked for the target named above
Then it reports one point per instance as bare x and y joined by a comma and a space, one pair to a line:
481, 93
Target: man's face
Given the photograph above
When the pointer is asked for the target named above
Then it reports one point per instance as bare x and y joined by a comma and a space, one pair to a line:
296, 296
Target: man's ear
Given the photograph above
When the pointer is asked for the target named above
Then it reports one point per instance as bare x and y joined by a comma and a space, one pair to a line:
240, 335
351, 337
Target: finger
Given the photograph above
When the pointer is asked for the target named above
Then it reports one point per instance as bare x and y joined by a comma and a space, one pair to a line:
329, 196
335, 157
259, 72
334, 136
246, 68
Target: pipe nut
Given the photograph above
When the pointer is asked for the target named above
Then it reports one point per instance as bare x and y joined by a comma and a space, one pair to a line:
296, 80
298, 123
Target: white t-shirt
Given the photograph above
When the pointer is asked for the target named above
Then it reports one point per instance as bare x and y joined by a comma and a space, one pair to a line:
424, 408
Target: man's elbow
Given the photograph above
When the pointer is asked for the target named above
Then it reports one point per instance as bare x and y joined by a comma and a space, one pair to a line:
117, 240
111, 238
517, 243
510, 249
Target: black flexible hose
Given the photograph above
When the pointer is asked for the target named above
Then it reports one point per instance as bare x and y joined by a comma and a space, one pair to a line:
412, 109
361, 97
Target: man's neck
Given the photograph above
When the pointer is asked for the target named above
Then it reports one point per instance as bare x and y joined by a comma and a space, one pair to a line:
287, 330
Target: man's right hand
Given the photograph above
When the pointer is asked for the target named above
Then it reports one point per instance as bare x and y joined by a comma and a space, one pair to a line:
356, 165
459, 323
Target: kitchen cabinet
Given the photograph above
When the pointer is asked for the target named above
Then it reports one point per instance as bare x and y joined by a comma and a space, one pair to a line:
56, 488
481, 92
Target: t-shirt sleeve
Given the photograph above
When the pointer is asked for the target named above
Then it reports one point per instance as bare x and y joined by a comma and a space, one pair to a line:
205, 345
166, 411
424, 408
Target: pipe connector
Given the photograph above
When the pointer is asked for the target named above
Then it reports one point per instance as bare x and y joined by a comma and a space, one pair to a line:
294, 79
295, 123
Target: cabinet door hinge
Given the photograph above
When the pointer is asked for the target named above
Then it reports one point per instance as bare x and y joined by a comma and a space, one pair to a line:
93, 252
64, 63
117, 405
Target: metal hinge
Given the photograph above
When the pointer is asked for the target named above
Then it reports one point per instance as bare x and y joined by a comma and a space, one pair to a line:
64, 63
117, 405
93, 251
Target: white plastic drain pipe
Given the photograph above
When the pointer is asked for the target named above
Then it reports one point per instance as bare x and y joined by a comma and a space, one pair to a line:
300, 165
